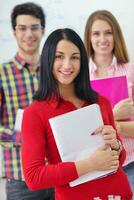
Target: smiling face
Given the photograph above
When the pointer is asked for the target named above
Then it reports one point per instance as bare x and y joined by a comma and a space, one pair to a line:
28, 33
102, 39
67, 63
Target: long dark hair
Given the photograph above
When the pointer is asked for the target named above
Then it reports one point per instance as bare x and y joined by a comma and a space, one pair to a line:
48, 87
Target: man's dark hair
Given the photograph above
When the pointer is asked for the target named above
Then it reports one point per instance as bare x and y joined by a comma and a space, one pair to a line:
28, 9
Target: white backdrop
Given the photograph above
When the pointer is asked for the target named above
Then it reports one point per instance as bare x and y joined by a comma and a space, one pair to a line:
67, 13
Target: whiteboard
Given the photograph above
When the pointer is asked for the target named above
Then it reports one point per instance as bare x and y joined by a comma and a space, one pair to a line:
67, 13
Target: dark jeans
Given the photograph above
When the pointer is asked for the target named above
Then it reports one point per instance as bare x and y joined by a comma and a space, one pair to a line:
18, 190
129, 170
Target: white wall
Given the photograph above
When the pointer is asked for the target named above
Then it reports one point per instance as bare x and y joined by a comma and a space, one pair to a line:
66, 13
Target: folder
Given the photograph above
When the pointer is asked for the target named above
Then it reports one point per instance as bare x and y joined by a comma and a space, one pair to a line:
18, 120
73, 135
114, 88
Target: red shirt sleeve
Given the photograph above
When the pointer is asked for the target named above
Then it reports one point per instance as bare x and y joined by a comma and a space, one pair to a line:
37, 173
108, 118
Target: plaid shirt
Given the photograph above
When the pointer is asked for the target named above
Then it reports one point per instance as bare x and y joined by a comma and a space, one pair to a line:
18, 82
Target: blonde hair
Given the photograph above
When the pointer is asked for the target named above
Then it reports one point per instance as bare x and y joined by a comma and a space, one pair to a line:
120, 50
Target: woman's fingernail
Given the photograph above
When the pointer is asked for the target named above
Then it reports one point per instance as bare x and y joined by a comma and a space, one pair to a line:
93, 133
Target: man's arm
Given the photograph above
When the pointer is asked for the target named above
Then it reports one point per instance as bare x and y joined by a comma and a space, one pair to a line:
7, 135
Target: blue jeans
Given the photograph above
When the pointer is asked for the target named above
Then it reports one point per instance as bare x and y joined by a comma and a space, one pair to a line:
18, 190
129, 170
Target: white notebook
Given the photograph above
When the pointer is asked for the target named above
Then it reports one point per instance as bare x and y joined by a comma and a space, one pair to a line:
1, 160
72, 133
18, 120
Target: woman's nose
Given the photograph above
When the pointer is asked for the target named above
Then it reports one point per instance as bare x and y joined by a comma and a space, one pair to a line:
102, 38
67, 64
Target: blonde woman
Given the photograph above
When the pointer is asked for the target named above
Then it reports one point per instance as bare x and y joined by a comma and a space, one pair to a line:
108, 57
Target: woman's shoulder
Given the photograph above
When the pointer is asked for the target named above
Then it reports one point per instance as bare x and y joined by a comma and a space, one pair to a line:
127, 65
36, 106
102, 99
104, 102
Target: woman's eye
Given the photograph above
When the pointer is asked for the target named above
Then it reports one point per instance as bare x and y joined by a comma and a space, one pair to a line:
59, 56
96, 33
76, 58
109, 33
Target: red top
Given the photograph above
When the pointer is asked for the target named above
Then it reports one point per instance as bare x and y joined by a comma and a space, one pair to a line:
38, 142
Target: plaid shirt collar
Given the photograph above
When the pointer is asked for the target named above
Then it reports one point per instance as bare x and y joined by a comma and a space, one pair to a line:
20, 62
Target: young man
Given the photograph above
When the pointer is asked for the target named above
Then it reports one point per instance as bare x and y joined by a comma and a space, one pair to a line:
18, 83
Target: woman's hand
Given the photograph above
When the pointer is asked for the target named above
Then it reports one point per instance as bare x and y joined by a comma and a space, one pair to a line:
124, 109
104, 159
109, 135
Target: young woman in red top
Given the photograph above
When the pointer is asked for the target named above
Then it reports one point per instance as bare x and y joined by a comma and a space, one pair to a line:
64, 87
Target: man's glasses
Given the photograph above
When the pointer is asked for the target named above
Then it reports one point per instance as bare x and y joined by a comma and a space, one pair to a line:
23, 28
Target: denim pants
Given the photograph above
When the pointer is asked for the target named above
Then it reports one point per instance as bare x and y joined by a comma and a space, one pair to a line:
129, 170
18, 190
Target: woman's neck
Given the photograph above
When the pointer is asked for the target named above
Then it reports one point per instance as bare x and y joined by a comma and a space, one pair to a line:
102, 63
67, 91
68, 94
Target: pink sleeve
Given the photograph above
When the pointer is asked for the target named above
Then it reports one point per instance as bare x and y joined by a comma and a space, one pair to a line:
37, 173
130, 78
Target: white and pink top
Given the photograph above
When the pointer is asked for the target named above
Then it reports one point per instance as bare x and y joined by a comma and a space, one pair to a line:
114, 70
